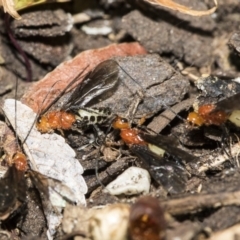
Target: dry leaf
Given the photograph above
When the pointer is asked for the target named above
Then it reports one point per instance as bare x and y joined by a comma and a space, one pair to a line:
68, 70
183, 9
22, 4
8, 142
9, 7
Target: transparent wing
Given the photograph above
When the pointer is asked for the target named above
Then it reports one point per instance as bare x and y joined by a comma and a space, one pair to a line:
102, 79
228, 104
12, 193
171, 174
169, 145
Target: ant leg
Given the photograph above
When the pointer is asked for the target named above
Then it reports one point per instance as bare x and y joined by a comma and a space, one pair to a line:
225, 143
99, 135
133, 107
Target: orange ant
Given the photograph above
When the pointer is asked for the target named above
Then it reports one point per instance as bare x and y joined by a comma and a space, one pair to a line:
151, 149
146, 220
216, 114
128, 135
74, 112
13, 186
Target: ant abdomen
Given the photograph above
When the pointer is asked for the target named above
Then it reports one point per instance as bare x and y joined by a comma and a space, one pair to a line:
207, 115
56, 120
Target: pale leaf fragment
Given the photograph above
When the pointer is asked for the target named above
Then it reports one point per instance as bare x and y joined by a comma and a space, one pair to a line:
9, 7
22, 4
181, 8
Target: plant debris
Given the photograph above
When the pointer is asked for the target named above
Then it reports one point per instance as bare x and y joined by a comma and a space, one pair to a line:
183, 9
154, 89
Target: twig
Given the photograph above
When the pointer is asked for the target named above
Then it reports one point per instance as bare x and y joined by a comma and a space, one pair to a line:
197, 203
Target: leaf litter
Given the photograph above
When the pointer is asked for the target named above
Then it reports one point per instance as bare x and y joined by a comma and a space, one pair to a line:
55, 167
181, 201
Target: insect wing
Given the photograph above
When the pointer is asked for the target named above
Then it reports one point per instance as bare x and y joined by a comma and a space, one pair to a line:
46, 186
170, 174
168, 144
13, 192
54, 195
228, 104
101, 80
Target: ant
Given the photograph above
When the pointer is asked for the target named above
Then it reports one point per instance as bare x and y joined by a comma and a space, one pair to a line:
157, 153
13, 186
102, 80
217, 114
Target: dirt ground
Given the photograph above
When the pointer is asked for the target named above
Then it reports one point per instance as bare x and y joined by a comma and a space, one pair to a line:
169, 64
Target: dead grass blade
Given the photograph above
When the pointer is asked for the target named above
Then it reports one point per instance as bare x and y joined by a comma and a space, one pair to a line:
9, 7
181, 8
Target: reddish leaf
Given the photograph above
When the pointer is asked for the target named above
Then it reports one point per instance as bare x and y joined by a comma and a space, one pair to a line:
68, 70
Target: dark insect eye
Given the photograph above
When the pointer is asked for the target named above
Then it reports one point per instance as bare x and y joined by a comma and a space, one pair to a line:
124, 120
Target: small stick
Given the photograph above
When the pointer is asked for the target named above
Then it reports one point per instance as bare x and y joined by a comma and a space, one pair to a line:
161, 121
199, 202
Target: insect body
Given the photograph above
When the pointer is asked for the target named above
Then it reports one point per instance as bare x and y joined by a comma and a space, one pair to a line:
146, 220
154, 152
102, 80
129, 135
13, 187
217, 114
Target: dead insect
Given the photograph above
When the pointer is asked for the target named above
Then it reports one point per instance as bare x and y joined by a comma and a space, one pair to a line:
164, 161
146, 220
102, 80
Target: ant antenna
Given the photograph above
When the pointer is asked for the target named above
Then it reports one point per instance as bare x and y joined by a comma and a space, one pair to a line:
175, 113
139, 93
141, 96
15, 106
64, 90
134, 80
37, 115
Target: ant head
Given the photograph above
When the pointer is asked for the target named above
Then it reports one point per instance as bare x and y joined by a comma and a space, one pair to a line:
42, 124
195, 119
120, 123
20, 161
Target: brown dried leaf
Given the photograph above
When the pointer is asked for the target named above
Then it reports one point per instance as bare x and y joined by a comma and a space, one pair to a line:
181, 8
68, 70
9, 7
8, 142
